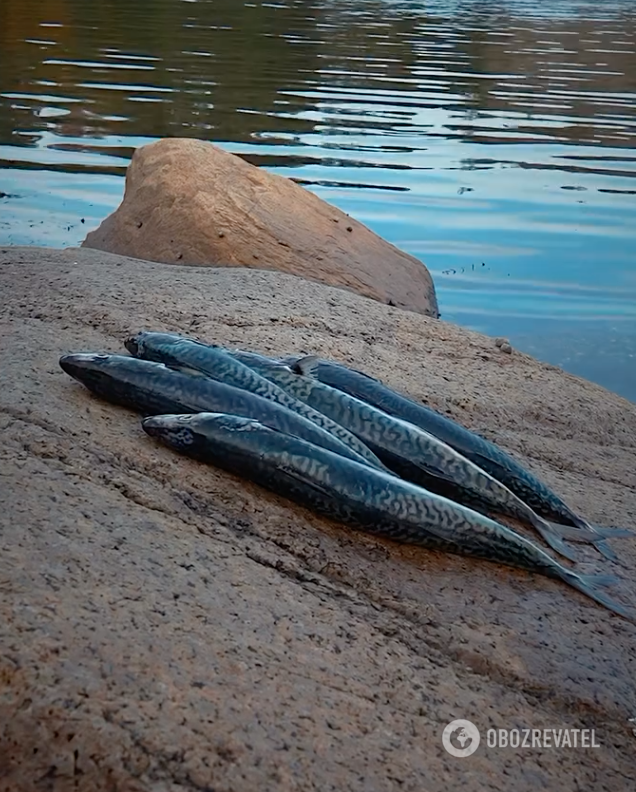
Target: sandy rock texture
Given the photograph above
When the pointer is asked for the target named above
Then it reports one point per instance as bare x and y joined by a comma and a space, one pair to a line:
167, 627
190, 202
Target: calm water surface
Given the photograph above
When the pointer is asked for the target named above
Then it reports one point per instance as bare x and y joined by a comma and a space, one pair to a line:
493, 140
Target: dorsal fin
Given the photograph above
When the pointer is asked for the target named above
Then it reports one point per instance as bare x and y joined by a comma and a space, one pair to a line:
306, 366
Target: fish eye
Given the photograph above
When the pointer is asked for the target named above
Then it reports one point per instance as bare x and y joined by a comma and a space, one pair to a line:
101, 357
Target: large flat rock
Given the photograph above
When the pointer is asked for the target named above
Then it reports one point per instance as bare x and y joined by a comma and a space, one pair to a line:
166, 626
190, 202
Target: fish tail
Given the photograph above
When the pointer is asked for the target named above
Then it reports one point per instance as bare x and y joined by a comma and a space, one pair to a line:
592, 533
590, 585
551, 536
605, 550
609, 533
604, 533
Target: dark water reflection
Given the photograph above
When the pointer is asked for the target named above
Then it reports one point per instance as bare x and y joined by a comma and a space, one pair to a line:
495, 140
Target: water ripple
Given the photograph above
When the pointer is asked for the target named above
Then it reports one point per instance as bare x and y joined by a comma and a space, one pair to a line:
493, 140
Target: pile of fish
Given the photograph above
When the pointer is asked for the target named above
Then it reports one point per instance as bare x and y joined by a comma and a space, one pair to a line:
336, 440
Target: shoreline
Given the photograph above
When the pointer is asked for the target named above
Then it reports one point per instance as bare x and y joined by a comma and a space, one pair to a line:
175, 625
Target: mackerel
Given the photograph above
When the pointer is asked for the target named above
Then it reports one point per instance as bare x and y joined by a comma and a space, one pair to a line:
360, 495
541, 498
413, 452
152, 388
188, 355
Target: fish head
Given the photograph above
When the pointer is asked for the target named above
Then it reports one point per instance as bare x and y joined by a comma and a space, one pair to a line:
88, 368
176, 431
165, 348
191, 433
134, 344
144, 343
106, 375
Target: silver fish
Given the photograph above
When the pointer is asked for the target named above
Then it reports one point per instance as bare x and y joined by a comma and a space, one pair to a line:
191, 356
543, 500
359, 494
412, 452
151, 388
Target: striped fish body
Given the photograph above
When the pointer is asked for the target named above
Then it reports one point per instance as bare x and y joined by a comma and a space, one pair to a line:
357, 494
482, 452
407, 449
317, 478
151, 388
188, 355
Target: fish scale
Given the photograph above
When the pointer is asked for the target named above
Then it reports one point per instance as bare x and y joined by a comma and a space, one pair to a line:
360, 495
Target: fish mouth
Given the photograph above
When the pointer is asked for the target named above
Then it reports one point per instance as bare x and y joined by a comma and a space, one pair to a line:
76, 365
133, 345
171, 429
68, 364
161, 424
152, 427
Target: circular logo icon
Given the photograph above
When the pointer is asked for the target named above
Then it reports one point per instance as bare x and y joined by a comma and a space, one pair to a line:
461, 738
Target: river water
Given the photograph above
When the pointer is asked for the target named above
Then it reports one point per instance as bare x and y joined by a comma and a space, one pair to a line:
494, 140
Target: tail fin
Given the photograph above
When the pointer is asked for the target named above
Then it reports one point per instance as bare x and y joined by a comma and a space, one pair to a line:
556, 543
589, 585
591, 534
605, 550
609, 533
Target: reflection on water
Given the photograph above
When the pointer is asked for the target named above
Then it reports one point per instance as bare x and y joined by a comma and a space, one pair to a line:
494, 140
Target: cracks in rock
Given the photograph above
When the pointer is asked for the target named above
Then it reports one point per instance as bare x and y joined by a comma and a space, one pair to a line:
415, 634
27, 417
296, 573
162, 760
439, 651
395, 620
408, 630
